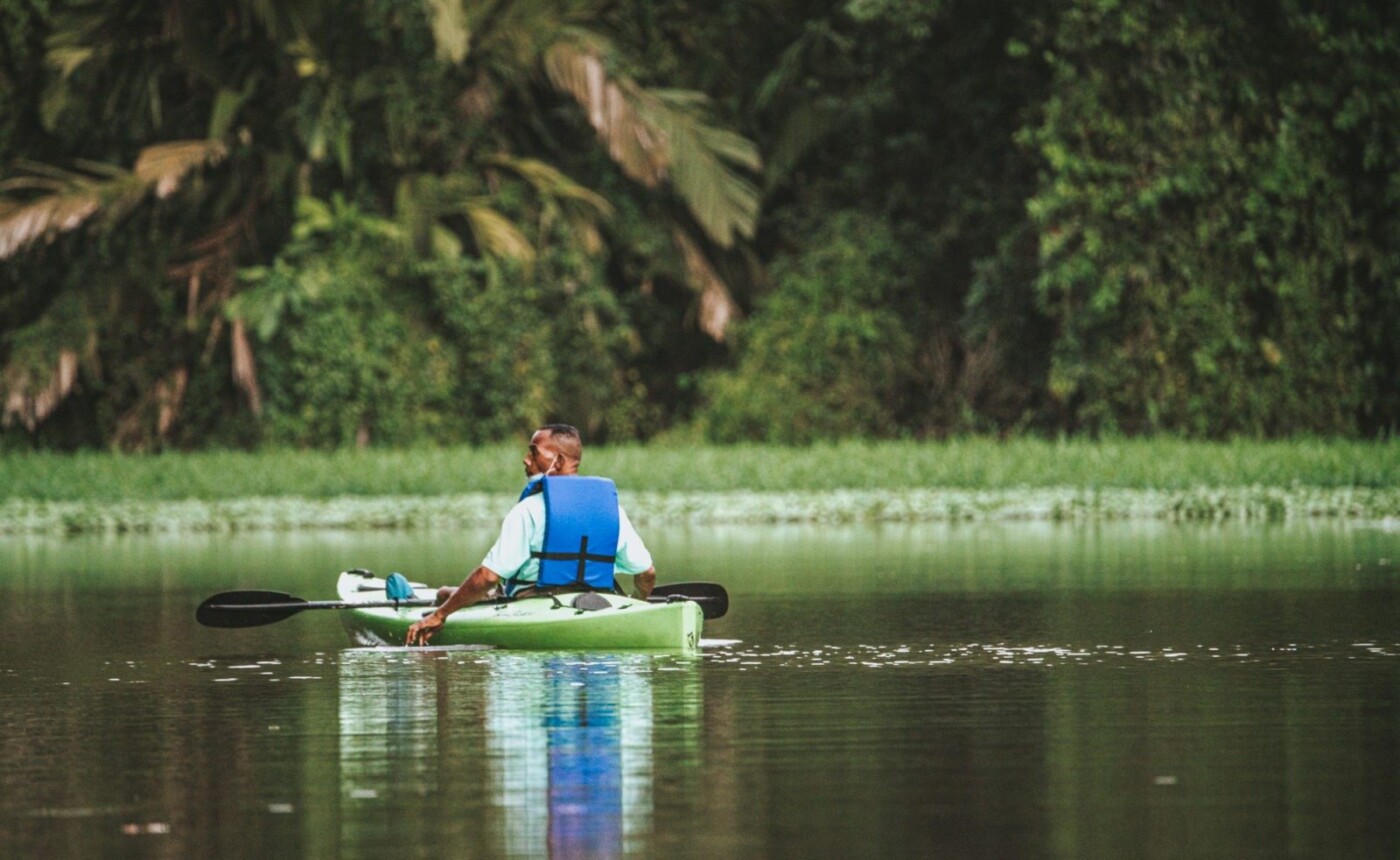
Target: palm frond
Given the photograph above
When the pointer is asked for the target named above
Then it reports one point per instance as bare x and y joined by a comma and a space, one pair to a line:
722, 200
169, 395
452, 31
165, 165
804, 126
577, 66
68, 58
422, 200
39, 169
245, 369
444, 243
550, 182
227, 103
42, 369
21, 225
659, 135
717, 306
497, 235
72, 197
30, 405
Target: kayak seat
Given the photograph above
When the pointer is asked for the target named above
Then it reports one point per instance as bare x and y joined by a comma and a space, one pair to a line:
589, 601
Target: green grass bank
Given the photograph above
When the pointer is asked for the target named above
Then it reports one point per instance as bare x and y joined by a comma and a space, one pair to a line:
909, 481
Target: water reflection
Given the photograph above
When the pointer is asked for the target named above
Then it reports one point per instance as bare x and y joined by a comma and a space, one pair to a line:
555, 750
1113, 691
562, 773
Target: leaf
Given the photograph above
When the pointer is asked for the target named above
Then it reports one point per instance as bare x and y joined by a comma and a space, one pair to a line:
661, 135
550, 182
41, 369
245, 371
75, 197
497, 235
165, 165
67, 58
717, 306
723, 201
445, 243
169, 396
227, 104
452, 32
32, 407
803, 127
415, 210
576, 66
314, 216
21, 225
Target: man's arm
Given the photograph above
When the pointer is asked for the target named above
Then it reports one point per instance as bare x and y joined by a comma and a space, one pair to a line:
643, 582
632, 554
473, 588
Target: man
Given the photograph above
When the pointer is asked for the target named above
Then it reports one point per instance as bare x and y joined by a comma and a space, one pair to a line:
519, 560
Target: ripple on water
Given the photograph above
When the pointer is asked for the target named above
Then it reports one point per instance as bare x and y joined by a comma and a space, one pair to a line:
868, 656
275, 670
311, 668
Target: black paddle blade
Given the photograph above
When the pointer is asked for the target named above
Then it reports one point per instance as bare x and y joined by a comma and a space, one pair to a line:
713, 599
247, 608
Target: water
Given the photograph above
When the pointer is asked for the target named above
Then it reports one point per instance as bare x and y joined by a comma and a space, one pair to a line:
984, 691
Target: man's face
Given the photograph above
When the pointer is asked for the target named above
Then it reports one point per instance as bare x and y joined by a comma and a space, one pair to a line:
542, 458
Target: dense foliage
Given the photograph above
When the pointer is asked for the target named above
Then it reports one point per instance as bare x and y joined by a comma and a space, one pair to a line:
332, 224
1217, 216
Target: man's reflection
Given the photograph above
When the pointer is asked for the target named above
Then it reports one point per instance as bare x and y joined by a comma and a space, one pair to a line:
572, 738
542, 754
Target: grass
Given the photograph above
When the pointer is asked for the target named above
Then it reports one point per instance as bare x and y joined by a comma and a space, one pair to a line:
988, 464
962, 480
971, 464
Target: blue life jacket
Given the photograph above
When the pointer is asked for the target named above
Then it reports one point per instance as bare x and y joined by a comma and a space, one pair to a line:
580, 531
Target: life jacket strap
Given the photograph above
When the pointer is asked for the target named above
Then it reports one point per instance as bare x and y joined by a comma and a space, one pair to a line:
583, 556
571, 556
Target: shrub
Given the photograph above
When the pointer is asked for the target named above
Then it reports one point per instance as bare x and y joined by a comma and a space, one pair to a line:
826, 353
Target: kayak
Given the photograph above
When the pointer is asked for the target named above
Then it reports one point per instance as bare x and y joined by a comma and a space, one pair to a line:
599, 622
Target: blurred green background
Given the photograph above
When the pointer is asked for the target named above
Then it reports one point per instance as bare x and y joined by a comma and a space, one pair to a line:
308, 224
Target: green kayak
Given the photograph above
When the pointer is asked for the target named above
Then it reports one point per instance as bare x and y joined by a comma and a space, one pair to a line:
547, 623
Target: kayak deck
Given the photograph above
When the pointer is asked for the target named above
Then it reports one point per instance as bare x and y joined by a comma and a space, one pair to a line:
534, 623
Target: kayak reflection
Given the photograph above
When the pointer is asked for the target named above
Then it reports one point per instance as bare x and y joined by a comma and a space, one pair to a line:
544, 754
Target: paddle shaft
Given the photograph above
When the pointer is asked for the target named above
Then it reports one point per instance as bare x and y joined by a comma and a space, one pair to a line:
298, 605
257, 608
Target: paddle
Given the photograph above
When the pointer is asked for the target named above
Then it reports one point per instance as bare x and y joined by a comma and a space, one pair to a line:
713, 599
257, 608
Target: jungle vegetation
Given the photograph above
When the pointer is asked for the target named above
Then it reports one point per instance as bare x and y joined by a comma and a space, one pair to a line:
312, 224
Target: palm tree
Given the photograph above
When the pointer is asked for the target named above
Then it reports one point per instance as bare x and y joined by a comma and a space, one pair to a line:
434, 111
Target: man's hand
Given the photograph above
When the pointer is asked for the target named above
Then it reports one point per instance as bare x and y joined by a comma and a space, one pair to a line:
643, 582
422, 631
472, 589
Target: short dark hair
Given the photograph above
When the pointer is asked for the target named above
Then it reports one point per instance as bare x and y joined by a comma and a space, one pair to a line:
566, 439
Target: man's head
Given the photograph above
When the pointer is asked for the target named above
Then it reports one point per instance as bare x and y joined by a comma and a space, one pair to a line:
555, 449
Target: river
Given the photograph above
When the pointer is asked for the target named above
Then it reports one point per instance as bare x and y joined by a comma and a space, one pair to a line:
992, 690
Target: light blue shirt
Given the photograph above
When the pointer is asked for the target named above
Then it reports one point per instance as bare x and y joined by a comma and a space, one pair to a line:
523, 533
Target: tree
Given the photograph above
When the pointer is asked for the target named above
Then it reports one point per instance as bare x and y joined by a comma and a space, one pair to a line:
446, 116
1208, 213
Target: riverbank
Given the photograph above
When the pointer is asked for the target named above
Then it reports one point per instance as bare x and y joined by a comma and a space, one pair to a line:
962, 480
966, 464
1063, 504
